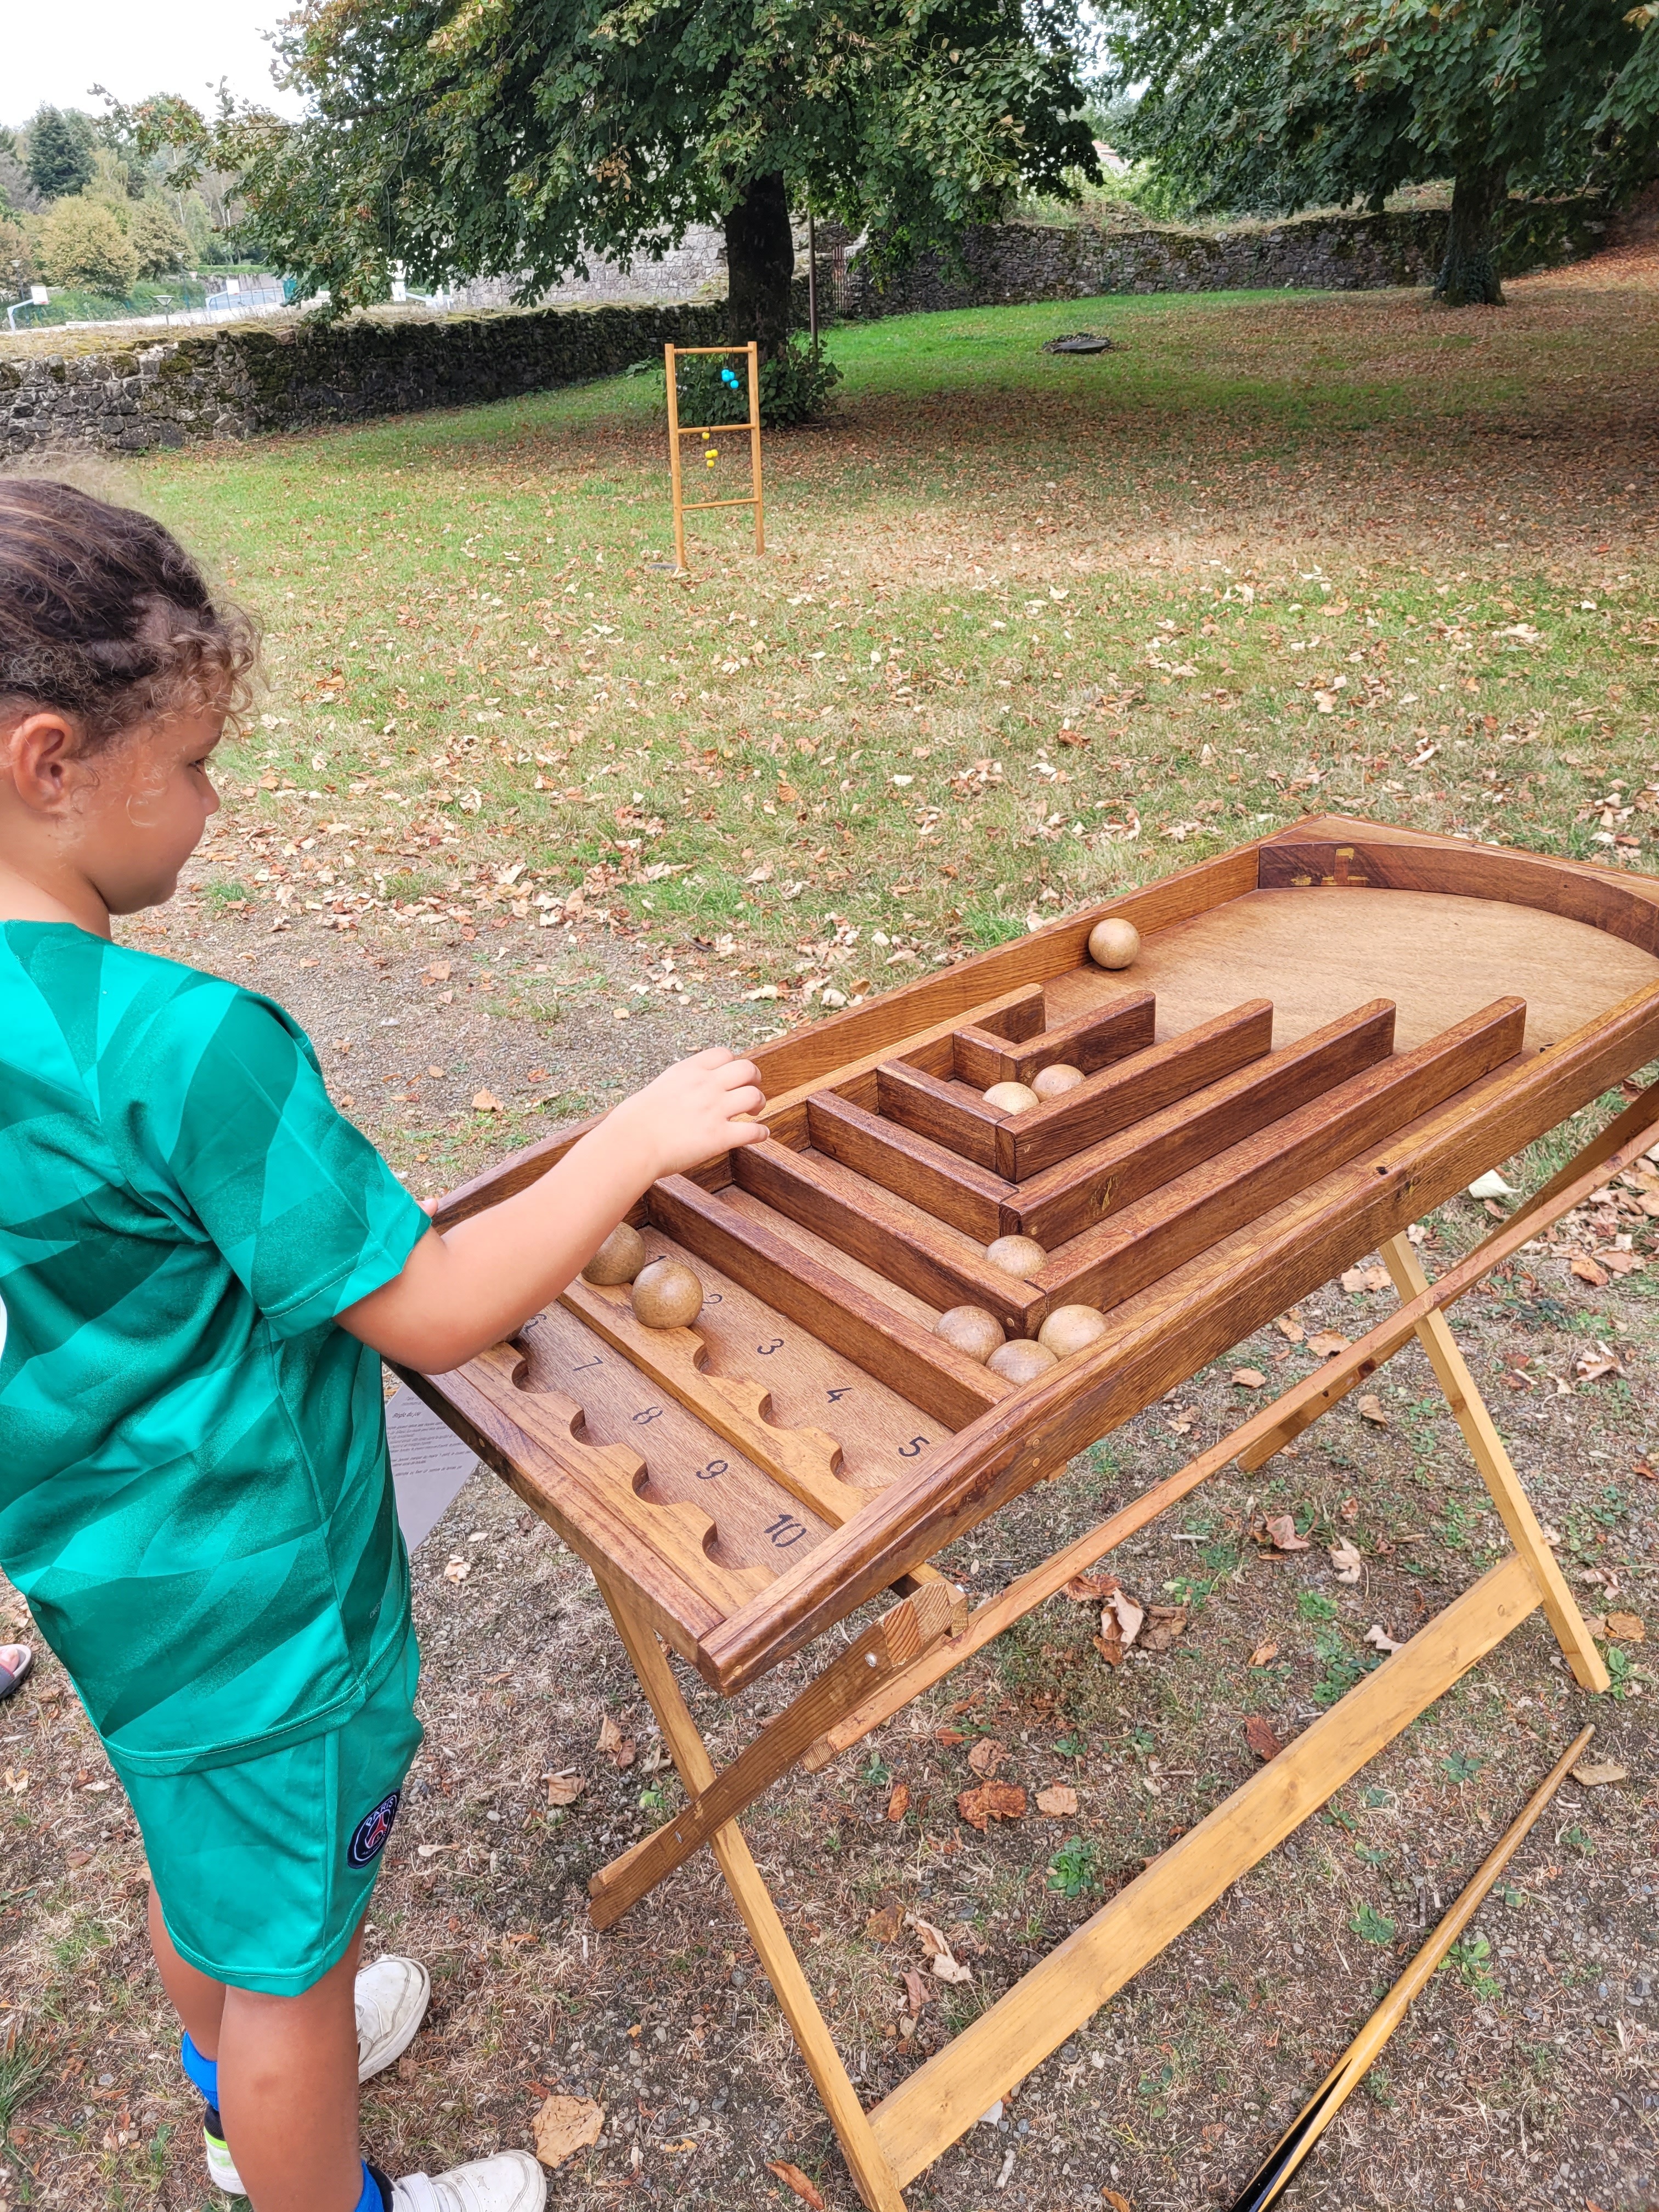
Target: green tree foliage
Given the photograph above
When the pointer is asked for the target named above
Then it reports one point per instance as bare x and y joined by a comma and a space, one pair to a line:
82, 246
158, 240
1275, 105
515, 138
59, 161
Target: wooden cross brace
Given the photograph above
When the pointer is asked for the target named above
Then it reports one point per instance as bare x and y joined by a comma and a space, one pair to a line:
914, 1647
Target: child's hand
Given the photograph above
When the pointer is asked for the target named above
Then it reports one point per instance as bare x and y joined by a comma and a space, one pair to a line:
694, 1109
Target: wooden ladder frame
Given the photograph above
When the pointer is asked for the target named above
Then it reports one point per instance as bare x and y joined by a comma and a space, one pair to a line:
887, 2146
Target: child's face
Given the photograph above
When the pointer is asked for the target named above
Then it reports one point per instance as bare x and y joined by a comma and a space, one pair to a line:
136, 812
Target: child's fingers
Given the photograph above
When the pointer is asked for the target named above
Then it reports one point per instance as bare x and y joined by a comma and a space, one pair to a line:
740, 1072
742, 1103
746, 1133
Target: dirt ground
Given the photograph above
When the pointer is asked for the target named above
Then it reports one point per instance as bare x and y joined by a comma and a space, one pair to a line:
1525, 2076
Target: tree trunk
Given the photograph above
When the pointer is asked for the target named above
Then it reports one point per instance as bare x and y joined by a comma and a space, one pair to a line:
760, 266
1468, 274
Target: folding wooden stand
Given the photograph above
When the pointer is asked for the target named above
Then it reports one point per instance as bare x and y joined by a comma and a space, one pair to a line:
824, 1255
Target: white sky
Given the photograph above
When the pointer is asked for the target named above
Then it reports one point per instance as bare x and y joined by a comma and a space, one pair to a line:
55, 51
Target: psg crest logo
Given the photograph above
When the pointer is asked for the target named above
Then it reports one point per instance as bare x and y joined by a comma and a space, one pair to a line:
369, 1837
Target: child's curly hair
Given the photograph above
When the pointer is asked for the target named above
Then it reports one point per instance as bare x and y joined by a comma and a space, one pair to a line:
105, 617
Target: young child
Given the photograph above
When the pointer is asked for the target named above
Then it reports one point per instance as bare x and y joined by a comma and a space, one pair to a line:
201, 1263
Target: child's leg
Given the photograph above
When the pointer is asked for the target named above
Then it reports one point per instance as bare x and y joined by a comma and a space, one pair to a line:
287, 2076
197, 1999
288, 2092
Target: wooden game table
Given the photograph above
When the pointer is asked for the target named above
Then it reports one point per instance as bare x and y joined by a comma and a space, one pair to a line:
1326, 1034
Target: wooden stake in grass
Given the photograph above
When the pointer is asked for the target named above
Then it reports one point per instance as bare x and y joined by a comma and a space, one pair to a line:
682, 505
1355, 2063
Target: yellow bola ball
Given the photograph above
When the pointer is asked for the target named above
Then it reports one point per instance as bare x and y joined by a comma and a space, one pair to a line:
1016, 1256
1113, 942
1010, 1098
1021, 1361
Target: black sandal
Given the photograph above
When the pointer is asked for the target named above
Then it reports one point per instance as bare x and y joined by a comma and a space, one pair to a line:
10, 1677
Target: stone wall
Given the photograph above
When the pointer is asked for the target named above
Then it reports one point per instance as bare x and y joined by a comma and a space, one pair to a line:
239, 381
1028, 261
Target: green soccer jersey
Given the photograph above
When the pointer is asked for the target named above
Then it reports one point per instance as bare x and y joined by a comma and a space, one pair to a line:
195, 1494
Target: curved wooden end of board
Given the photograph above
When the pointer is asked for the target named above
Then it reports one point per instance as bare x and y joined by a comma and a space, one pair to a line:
806, 1462
680, 1531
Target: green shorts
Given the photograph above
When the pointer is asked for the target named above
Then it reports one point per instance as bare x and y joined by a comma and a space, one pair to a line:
264, 1868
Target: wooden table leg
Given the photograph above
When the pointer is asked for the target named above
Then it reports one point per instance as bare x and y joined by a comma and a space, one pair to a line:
1498, 1471
876, 2181
892, 1643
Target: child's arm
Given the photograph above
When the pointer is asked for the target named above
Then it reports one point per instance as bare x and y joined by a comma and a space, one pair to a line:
465, 1290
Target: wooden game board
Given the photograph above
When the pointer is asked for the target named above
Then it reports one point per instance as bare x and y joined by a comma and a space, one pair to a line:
1325, 1034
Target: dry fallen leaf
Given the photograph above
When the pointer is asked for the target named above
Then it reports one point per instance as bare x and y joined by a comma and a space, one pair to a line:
932, 1939
1163, 1624
1089, 1589
916, 1991
899, 1803
458, 1569
1621, 1263
486, 1101
1371, 1409
1627, 1628
439, 972
1281, 1534
1264, 1654
565, 2126
1380, 1637
564, 1789
1058, 1800
986, 1755
1259, 1734
792, 2177
1328, 1343
1365, 1278
992, 1801
1594, 1773
1347, 1562
1588, 1368
1248, 1378
947, 1968
883, 1927
1122, 1617
617, 1747
1586, 1271
1291, 1329
1118, 2204
1110, 1648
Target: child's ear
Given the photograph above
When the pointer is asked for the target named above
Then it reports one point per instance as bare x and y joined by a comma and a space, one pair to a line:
37, 755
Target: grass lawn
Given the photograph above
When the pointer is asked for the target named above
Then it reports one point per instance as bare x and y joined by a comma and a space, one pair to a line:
1030, 629
522, 817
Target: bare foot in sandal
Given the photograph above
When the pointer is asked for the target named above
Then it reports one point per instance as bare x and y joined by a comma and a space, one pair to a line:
16, 1660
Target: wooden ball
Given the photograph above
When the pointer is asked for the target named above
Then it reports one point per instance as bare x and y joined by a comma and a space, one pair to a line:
1114, 944
1053, 1082
972, 1330
1010, 1098
1021, 1361
1070, 1328
1016, 1256
666, 1295
619, 1259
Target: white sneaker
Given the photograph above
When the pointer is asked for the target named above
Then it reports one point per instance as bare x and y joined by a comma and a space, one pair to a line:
512, 2181
392, 1997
